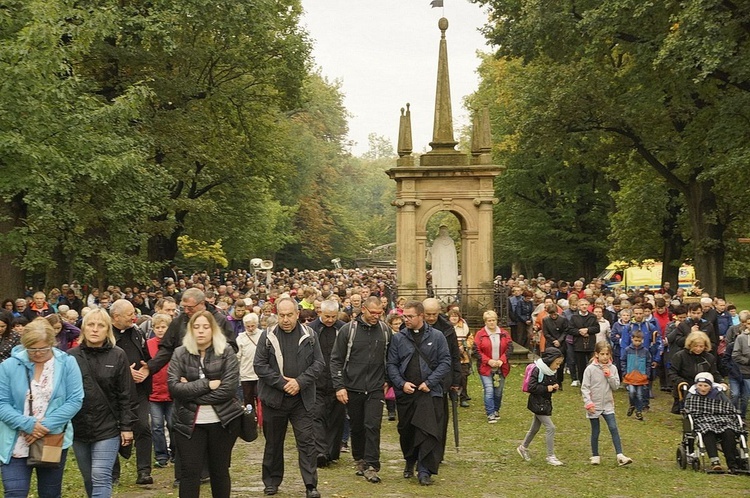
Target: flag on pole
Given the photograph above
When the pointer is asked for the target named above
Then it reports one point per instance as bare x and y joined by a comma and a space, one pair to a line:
436, 3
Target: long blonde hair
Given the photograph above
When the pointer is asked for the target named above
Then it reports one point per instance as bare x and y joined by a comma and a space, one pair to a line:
218, 339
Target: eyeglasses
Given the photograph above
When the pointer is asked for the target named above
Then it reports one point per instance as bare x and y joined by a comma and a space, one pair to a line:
190, 308
39, 350
373, 312
409, 317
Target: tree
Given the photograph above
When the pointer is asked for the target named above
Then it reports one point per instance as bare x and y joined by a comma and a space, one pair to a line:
648, 78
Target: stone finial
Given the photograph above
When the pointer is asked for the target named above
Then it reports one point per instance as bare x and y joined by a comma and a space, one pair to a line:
481, 139
405, 147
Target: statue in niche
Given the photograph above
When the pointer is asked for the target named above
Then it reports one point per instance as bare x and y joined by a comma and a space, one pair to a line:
444, 265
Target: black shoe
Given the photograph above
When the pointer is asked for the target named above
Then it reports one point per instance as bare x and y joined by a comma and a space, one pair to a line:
467, 398
144, 478
322, 461
312, 493
205, 480
391, 416
408, 470
639, 416
270, 490
176, 483
425, 480
630, 410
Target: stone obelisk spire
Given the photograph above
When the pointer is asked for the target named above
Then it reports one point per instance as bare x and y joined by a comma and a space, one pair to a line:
443, 144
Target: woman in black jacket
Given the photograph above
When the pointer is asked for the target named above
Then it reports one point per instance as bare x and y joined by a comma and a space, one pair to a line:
203, 379
104, 422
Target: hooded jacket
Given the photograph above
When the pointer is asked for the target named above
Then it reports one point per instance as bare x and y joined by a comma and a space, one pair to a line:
66, 400
106, 409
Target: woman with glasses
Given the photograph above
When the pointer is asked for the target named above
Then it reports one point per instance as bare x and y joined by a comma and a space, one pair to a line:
104, 422
44, 402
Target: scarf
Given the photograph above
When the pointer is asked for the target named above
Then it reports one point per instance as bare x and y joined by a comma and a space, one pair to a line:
544, 369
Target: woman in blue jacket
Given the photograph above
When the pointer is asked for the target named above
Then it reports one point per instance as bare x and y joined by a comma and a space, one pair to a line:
54, 380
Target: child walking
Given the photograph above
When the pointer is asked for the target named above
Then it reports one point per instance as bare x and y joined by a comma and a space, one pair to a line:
542, 383
636, 367
600, 380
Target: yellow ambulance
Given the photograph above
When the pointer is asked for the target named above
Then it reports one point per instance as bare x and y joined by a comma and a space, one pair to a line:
623, 275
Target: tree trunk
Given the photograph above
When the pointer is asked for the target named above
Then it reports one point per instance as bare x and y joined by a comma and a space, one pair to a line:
673, 242
708, 237
12, 278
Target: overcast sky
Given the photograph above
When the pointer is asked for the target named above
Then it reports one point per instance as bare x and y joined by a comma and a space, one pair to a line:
385, 53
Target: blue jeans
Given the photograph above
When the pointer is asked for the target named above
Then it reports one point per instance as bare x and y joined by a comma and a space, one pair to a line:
740, 389
612, 426
17, 479
161, 413
493, 396
95, 460
636, 395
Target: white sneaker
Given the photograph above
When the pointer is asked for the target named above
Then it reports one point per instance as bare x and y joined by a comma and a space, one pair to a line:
524, 452
491, 419
623, 460
552, 460
595, 460
575, 383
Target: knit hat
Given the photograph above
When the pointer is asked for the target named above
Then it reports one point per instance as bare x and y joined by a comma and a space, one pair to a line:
706, 377
550, 354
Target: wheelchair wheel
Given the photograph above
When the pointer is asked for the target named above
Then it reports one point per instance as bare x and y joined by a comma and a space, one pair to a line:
682, 457
696, 464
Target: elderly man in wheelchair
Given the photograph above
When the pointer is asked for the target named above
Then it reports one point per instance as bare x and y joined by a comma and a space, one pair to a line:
711, 417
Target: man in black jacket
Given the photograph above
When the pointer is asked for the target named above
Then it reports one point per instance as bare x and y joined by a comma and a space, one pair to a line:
328, 418
583, 326
358, 376
452, 381
555, 330
288, 361
131, 340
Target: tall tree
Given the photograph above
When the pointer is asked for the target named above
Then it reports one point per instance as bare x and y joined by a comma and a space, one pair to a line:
650, 78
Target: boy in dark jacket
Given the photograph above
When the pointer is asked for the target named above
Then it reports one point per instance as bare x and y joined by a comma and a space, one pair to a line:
636, 368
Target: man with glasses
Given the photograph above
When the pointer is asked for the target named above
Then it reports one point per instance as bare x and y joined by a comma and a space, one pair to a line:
418, 361
288, 360
358, 376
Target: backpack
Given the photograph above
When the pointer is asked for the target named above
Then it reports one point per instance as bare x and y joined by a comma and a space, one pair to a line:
527, 377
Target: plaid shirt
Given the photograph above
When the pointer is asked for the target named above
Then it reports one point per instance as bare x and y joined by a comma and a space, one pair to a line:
712, 414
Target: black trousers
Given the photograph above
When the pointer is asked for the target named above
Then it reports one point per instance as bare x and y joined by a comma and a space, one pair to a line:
275, 422
210, 442
465, 371
328, 424
141, 437
728, 444
365, 419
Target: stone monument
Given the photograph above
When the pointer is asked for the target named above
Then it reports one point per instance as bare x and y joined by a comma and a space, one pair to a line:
445, 180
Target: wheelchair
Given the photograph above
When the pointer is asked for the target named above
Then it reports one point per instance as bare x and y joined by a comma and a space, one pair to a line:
692, 451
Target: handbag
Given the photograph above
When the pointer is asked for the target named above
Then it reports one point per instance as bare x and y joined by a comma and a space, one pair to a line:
45, 451
248, 425
124, 451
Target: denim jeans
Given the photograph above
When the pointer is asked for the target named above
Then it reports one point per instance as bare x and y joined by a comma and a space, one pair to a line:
161, 413
17, 479
493, 396
636, 395
740, 389
95, 460
612, 426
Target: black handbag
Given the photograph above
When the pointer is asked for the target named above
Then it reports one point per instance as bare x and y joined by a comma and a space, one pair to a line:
45, 452
248, 425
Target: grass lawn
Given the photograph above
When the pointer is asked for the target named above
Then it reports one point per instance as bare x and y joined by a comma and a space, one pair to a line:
487, 464
742, 301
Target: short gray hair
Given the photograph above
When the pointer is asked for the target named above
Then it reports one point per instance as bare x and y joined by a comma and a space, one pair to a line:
329, 305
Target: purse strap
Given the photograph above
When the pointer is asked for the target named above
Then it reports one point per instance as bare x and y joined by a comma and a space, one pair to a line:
31, 396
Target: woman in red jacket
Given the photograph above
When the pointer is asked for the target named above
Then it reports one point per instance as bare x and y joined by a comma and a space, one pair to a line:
491, 347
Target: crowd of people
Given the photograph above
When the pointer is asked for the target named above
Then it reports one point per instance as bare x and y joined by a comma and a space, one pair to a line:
169, 368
